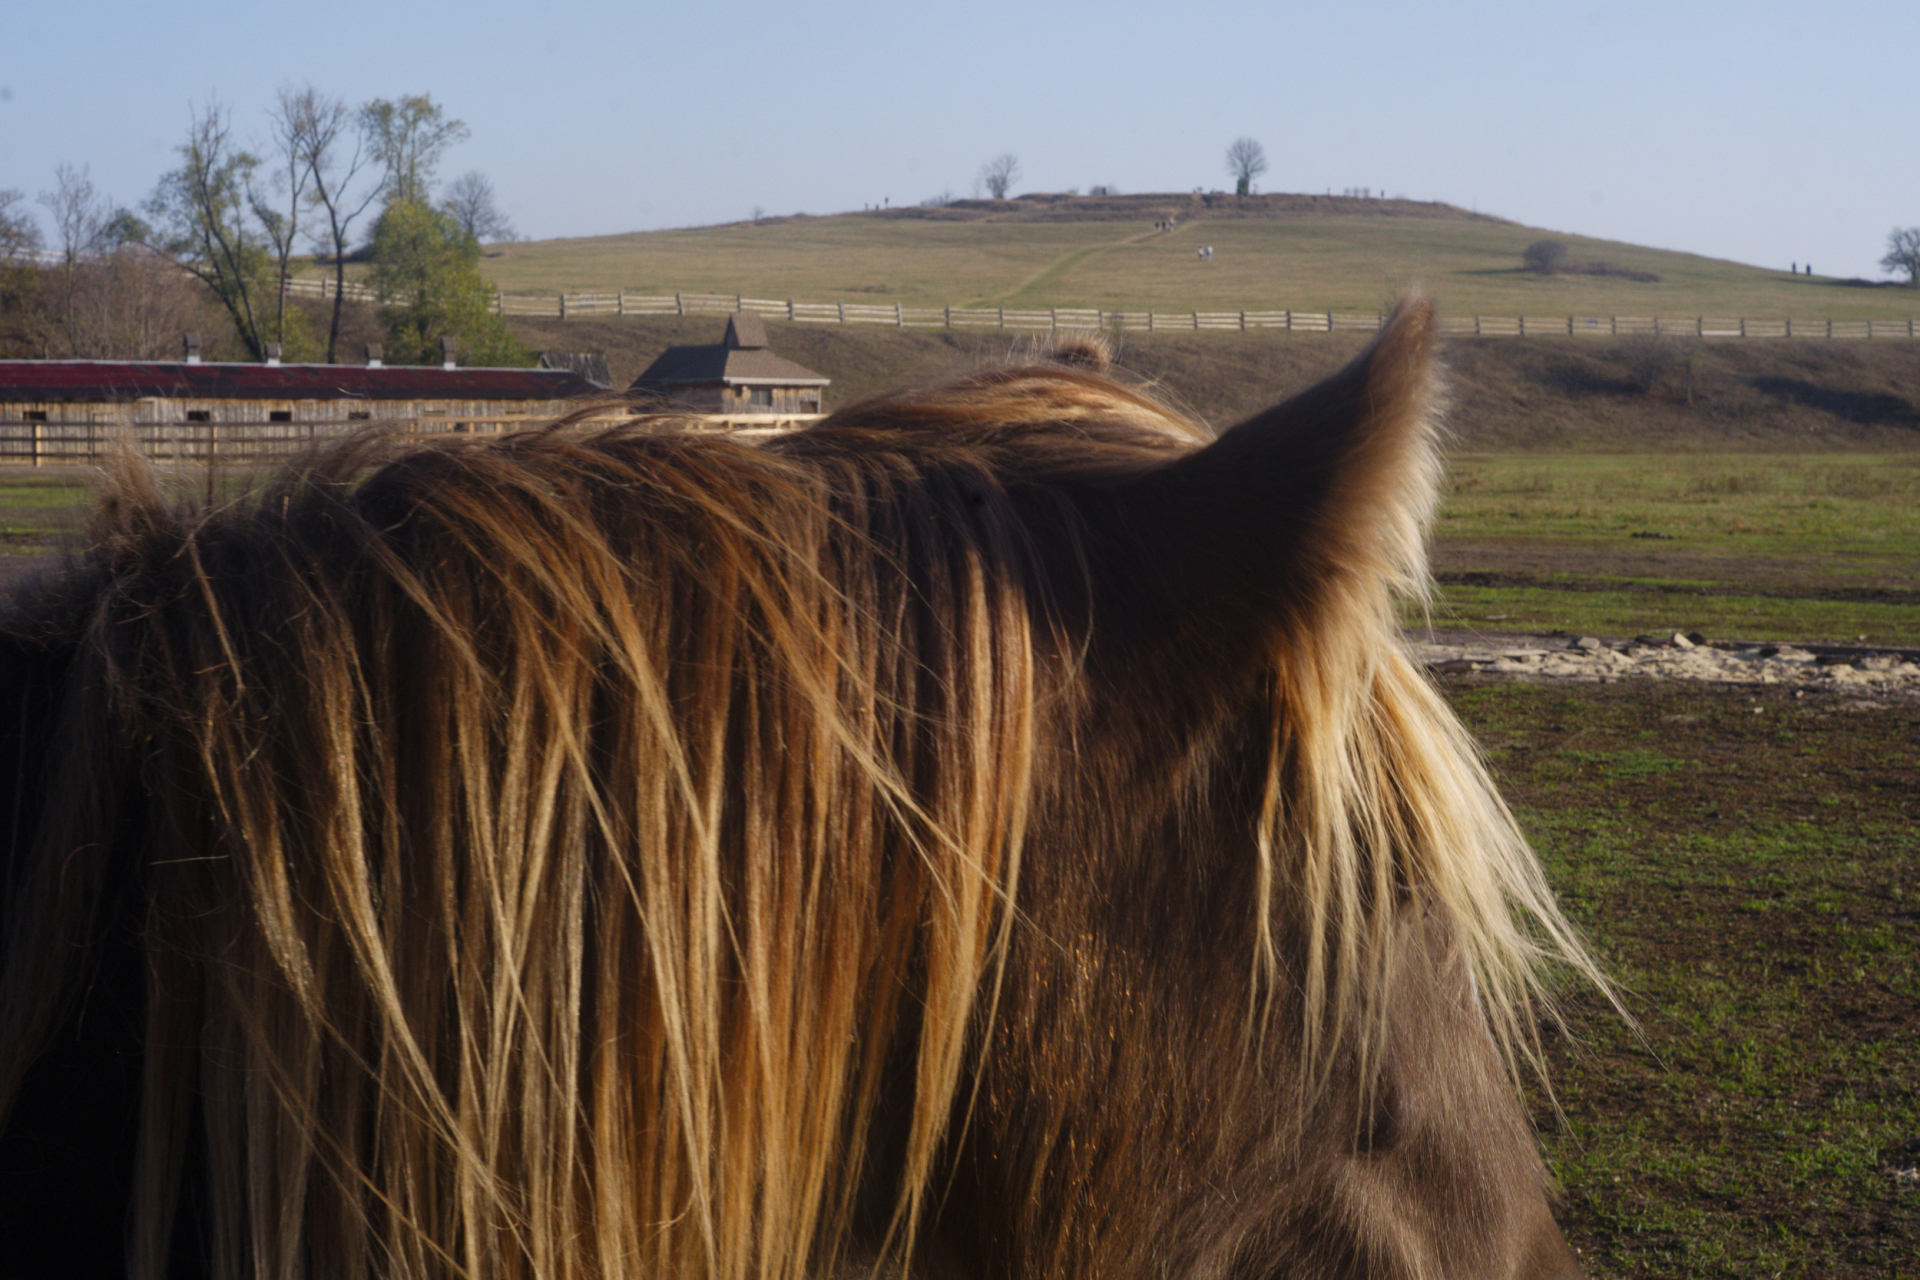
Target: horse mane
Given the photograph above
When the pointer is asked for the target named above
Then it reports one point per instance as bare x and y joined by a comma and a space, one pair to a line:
549, 856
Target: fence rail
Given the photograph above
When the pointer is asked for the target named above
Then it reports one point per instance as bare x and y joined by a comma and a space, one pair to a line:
80, 440
568, 306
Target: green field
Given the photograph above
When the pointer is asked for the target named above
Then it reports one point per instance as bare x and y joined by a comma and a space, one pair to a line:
1749, 546
1303, 261
1743, 861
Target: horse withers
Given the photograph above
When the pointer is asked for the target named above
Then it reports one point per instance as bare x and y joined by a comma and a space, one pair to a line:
996, 831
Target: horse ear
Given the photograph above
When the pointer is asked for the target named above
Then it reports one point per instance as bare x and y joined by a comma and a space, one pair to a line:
1319, 506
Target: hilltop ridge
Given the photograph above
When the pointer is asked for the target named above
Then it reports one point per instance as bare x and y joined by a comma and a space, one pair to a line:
1212, 206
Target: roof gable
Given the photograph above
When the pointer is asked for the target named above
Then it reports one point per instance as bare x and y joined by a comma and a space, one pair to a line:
745, 331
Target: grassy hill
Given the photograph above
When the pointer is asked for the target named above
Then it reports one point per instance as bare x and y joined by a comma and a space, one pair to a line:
1298, 252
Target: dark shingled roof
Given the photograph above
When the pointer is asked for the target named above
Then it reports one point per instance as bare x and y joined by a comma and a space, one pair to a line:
80, 380
740, 357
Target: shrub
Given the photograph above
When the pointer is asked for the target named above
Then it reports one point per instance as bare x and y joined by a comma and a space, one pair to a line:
1544, 256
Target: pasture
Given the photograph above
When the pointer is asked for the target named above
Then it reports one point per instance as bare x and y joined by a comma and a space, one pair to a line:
1744, 861
1347, 261
1753, 546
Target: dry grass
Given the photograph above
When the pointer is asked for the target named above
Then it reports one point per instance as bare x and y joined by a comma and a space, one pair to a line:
1340, 262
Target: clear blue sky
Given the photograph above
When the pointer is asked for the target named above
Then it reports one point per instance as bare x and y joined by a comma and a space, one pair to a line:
1767, 131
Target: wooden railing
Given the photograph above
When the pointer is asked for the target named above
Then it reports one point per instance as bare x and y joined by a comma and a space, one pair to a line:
78, 440
570, 306
575, 306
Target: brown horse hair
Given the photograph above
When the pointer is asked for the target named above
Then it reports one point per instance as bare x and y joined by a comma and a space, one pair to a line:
556, 855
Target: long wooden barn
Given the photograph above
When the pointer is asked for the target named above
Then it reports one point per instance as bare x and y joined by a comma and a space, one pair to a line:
70, 411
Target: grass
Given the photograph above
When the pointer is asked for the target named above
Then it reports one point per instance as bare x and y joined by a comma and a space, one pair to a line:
1339, 262
1804, 547
1854, 509
1745, 864
37, 509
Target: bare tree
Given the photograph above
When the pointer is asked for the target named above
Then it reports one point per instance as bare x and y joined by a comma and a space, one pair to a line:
333, 146
469, 202
80, 216
1246, 160
1903, 254
20, 293
19, 233
202, 212
80, 212
130, 303
999, 174
408, 137
290, 178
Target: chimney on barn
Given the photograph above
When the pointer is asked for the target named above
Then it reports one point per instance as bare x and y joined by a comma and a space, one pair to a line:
446, 353
193, 348
373, 355
273, 354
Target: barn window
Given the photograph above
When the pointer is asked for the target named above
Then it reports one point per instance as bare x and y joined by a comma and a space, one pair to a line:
199, 415
760, 397
279, 415
35, 415
359, 415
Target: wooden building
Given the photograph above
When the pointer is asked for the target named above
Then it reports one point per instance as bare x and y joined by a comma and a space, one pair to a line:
734, 378
61, 411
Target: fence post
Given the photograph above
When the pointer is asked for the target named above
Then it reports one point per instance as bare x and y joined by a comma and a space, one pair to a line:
1149, 319
620, 303
1569, 326
949, 315
1523, 326
563, 305
1288, 314
843, 310
1003, 316
899, 317
1243, 322
739, 302
499, 303
1699, 326
1613, 326
1329, 322
1743, 326
1196, 322
789, 309
679, 303
1829, 327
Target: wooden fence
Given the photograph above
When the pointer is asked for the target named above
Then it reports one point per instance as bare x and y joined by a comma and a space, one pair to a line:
569, 306
576, 306
83, 439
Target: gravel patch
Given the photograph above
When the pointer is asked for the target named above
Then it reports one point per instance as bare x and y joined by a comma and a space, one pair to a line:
1592, 659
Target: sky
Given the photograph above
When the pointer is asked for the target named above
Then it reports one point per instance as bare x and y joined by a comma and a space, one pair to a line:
1765, 131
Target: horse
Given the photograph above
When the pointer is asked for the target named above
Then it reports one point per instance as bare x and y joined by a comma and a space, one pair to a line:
997, 830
